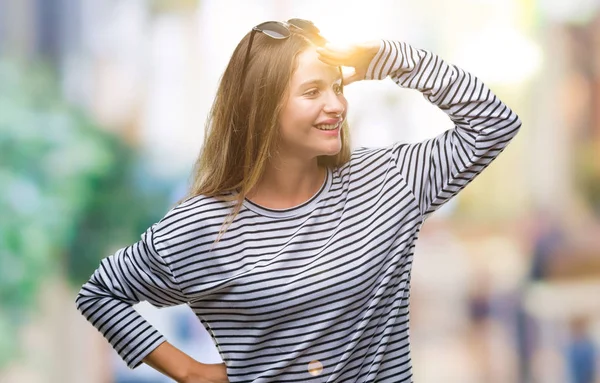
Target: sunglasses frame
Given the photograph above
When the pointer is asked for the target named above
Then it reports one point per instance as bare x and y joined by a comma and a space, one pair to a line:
287, 27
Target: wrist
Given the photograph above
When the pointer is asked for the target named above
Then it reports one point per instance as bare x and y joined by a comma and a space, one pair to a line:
197, 372
375, 50
192, 371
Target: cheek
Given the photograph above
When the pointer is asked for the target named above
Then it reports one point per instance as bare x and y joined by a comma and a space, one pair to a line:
291, 117
300, 112
287, 115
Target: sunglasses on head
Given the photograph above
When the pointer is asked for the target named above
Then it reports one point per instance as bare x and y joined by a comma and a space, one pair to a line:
282, 30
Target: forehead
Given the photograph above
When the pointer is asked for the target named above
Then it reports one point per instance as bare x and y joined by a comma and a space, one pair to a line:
309, 67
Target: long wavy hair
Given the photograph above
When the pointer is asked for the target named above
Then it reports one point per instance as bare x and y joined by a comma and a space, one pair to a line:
242, 129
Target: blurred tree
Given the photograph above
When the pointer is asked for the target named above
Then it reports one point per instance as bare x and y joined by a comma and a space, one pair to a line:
70, 193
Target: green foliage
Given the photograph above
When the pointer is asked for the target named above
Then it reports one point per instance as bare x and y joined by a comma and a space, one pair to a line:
70, 193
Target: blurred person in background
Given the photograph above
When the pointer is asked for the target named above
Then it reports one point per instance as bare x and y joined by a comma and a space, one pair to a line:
293, 251
547, 236
582, 355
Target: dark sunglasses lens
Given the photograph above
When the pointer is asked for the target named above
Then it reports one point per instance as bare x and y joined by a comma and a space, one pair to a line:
274, 29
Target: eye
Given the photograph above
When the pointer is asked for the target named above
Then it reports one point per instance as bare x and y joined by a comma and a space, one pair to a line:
312, 92
338, 88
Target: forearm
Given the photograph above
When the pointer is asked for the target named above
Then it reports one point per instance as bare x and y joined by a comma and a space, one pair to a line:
462, 96
132, 274
182, 368
438, 168
170, 361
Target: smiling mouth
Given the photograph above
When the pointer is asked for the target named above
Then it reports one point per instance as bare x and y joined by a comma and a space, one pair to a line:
328, 126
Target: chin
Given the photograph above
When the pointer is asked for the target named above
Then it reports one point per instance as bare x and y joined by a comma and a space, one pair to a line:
331, 152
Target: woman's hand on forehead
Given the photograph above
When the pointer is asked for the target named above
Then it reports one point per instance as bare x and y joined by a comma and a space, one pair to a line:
357, 56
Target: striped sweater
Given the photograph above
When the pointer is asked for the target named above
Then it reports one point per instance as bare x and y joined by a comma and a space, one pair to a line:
318, 292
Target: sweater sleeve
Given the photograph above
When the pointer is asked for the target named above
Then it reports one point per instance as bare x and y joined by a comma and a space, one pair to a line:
133, 274
437, 169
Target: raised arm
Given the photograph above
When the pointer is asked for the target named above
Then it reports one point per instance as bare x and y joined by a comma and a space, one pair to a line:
438, 168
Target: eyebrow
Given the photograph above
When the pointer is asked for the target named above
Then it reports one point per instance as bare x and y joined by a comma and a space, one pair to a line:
318, 81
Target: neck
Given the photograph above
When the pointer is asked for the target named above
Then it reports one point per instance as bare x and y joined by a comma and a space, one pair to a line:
289, 183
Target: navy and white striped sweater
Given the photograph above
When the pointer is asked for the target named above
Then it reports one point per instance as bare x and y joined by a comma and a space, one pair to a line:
325, 281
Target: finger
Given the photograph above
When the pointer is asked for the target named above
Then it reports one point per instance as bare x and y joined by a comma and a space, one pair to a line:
330, 61
334, 55
337, 61
339, 49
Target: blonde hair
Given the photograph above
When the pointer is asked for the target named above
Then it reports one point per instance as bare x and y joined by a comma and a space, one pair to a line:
241, 132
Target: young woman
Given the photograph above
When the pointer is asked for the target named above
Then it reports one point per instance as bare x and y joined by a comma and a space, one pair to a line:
294, 252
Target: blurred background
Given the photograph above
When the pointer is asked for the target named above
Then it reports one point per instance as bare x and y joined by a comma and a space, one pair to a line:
102, 110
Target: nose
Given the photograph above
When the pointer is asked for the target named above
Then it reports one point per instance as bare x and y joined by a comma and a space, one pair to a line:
335, 103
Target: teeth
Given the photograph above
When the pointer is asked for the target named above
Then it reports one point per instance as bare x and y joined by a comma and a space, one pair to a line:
327, 127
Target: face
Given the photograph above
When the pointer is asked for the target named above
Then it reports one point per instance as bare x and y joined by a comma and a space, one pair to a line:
311, 118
